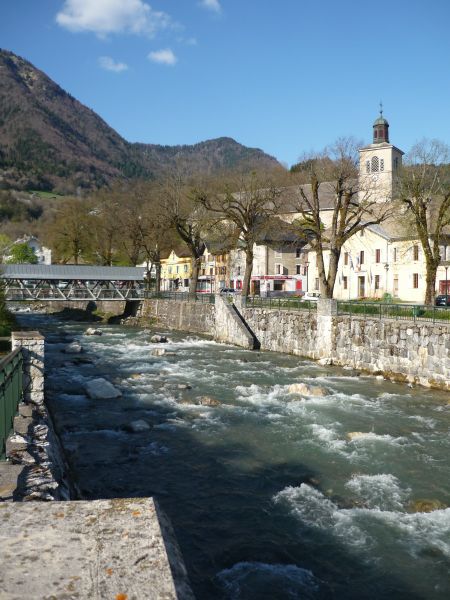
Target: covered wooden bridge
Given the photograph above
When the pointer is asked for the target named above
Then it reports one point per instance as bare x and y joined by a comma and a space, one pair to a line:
72, 282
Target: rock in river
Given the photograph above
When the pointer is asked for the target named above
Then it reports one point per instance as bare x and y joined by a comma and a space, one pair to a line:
307, 390
158, 352
73, 348
138, 426
93, 331
101, 389
159, 339
207, 401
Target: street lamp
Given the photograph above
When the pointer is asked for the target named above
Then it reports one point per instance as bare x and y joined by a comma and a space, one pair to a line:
306, 270
386, 266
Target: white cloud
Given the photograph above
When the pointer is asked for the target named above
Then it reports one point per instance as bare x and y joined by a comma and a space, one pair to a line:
213, 5
163, 57
109, 64
112, 16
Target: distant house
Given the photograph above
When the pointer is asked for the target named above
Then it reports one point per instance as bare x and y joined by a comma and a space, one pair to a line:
44, 255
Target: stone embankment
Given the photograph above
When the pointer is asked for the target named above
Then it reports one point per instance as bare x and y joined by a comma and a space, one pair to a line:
413, 352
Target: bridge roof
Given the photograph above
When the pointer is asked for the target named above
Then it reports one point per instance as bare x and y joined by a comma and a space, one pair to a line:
70, 272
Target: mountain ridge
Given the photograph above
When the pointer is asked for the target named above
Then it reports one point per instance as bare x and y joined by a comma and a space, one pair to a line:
51, 141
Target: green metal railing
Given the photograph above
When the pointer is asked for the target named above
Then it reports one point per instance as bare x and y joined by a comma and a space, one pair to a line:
11, 369
405, 312
181, 297
280, 303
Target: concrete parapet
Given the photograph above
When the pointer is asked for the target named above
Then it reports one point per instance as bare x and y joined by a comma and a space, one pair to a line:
32, 344
91, 549
231, 326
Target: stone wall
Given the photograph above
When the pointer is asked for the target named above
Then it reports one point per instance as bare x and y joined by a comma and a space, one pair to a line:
184, 316
401, 350
231, 327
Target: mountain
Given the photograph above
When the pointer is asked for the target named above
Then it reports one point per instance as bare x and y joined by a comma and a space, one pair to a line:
50, 141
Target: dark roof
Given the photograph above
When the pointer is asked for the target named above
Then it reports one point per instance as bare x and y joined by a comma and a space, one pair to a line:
71, 272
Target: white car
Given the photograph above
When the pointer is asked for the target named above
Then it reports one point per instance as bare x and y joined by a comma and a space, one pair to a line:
311, 296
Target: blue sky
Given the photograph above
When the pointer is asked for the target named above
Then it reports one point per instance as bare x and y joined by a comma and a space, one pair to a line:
287, 76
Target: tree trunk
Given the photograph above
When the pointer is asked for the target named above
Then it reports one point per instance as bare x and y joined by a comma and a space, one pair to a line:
194, 277
158, 277
323, 281
248, 273
430, 279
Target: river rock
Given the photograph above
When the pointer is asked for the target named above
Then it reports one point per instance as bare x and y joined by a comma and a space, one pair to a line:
73, 348
184, 386
426, 506
138, 426
354, 435
159, 339
101, 389
207, 401
136, 376
93, 331
307, 390
325, 362
158, 352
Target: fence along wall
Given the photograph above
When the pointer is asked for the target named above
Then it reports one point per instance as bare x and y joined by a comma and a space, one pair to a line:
415, 352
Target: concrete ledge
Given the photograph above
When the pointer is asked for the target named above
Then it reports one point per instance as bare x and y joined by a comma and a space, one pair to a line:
98, 549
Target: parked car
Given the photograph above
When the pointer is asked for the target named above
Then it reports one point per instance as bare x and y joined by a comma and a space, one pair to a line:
442, 300
311, 296
227, 291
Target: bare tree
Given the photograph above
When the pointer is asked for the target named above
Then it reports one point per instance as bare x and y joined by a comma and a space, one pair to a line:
332, 182
69, 232
247, 203
177, 199
424, 187
105, 226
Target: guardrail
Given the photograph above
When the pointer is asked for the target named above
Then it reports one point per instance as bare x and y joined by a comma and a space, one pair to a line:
181, 297
405, 312
11, 369
280, 303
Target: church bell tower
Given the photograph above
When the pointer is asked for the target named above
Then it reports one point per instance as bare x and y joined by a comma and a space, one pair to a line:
379, 164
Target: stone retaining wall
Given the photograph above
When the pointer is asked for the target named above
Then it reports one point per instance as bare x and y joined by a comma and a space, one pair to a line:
402, 350
184, 316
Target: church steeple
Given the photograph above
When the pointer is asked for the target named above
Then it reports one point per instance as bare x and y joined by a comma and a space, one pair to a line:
381, 129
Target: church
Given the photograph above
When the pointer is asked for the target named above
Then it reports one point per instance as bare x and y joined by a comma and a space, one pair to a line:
386, 258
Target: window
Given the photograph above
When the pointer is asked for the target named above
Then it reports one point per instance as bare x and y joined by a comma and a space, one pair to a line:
361, 257
396, 163
298, 252
415, 280
367, 166
394, 254
178, 269
239, 270
211, 271
346, 259
186, 282
377, 255
316, 286
377, 282
170, 270
375, 133
298, 269
382, 164
415, 252
185, 268
278, 269
375, 164
345, 282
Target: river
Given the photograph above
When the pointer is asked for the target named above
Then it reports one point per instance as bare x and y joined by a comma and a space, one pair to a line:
269, 495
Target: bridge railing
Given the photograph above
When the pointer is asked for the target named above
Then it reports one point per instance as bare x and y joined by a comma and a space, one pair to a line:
11, 369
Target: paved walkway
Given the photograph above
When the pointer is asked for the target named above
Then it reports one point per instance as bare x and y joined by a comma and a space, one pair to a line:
98, 550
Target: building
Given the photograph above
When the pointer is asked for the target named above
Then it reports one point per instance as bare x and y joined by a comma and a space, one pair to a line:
176, 271
43, 254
